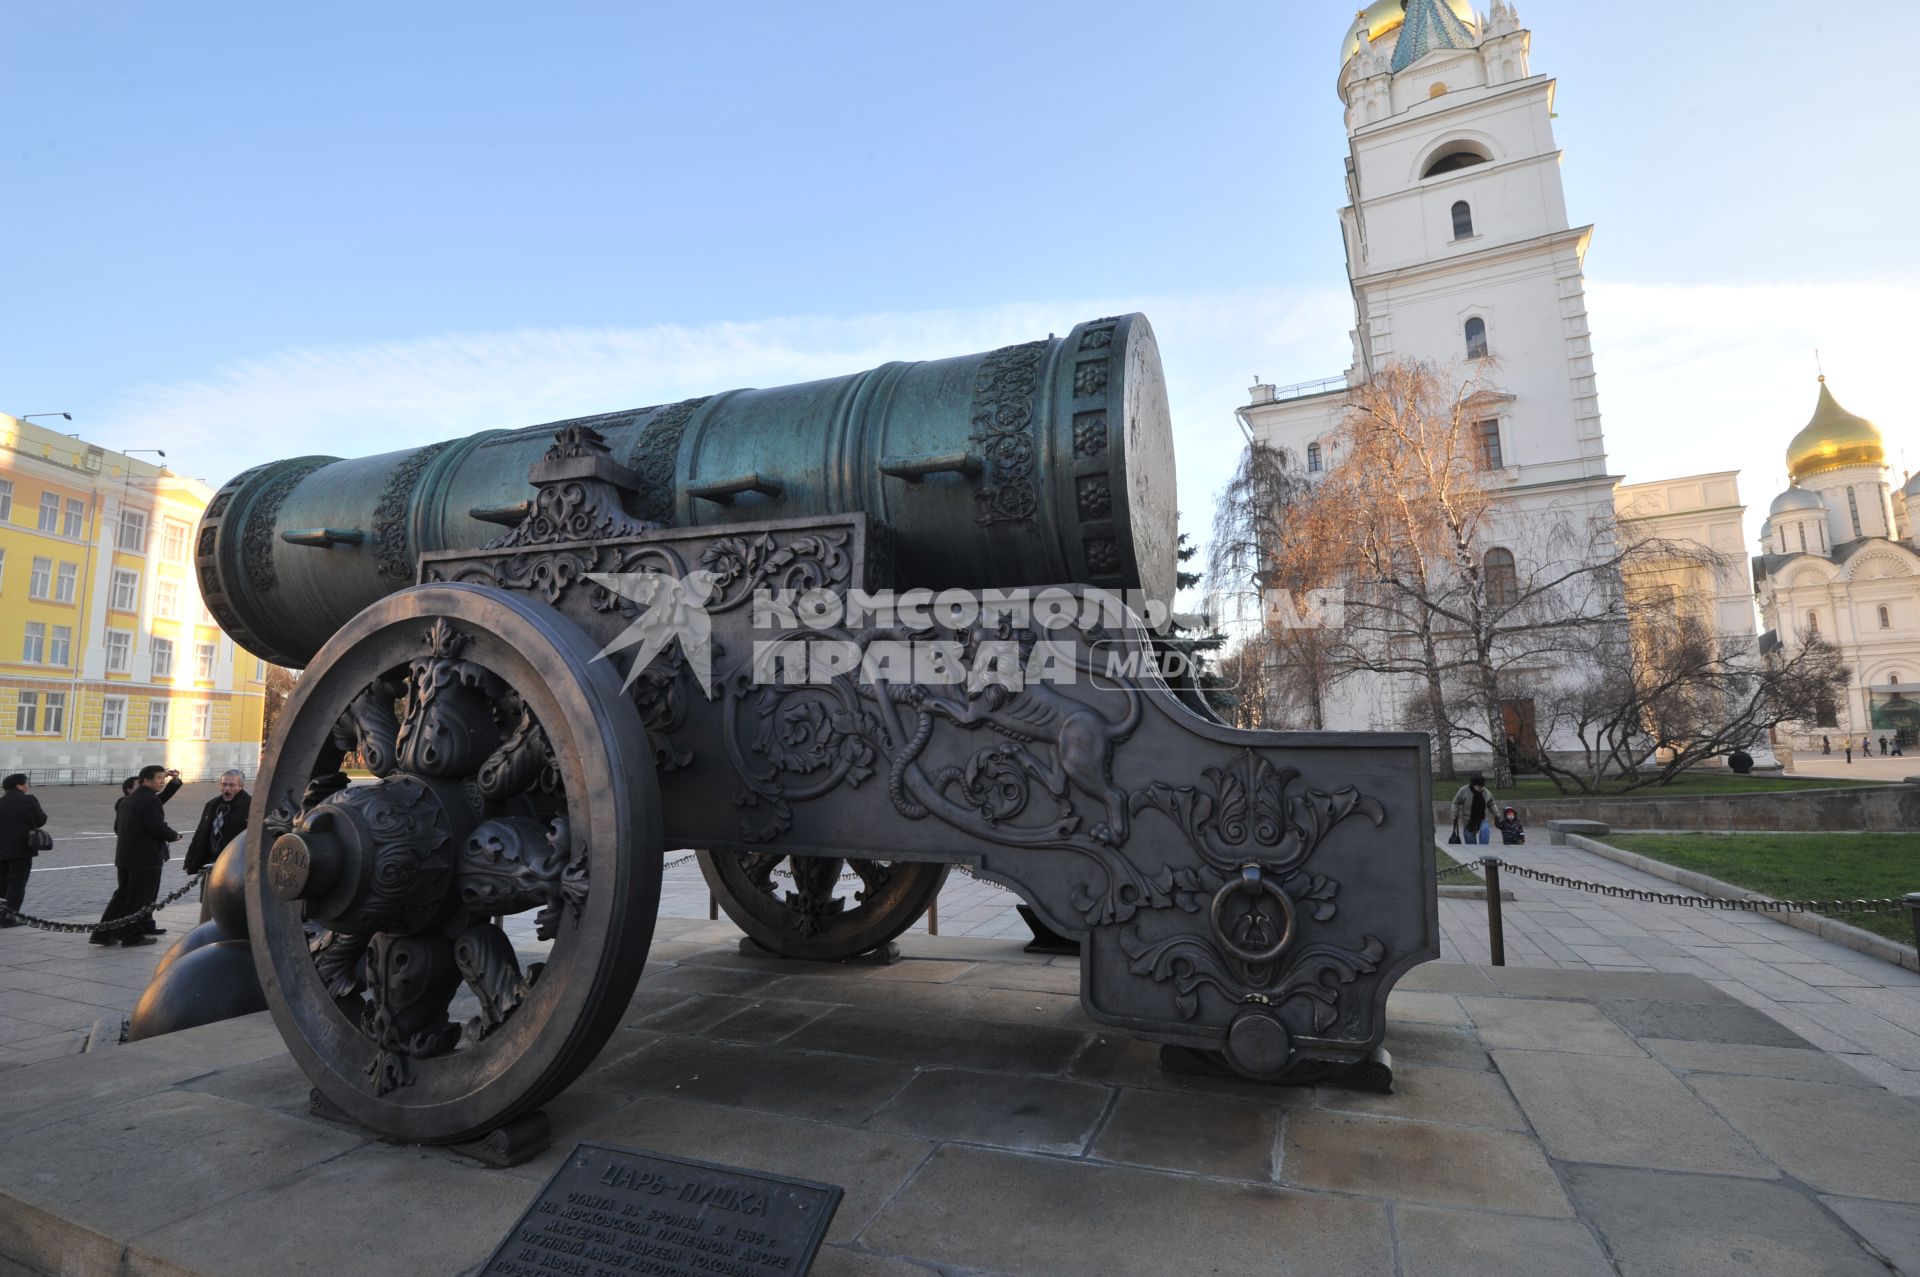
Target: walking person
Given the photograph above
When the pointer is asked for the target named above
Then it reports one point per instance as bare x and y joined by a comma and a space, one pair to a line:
1826, 746
20, 815
1471, 804
1866, 747
139, 852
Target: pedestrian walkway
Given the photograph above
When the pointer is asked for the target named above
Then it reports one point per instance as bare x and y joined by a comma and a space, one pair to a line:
1842, 1001
1815, 766
55, 989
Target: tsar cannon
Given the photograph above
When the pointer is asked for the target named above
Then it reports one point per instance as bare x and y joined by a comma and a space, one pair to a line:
839, 637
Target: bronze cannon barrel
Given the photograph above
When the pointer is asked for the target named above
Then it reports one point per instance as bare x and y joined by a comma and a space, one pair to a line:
1035, 464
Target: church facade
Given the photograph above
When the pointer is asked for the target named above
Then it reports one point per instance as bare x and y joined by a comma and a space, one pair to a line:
1840, 560
1461, 253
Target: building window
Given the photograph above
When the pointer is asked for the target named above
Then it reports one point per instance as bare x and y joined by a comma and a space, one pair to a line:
133, 531
1462, 220
49, 512
1822, 529
55, 719
162, 658
1886, 619
60, 646
1486, 444
75, 522
203, 660
1853, 509
166, 599
126, 590
1813, 622
1453, 161
1802, 529
157, 717
113, 716
33, 648
40, 580
202, 721
65, 583
173, 540
1476, 338
1313, 458
119, 651
1503, 585
259, 670
6, 501
25, 712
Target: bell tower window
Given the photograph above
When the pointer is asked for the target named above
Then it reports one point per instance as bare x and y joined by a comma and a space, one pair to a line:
1476, 333
1803, 538
1886, 619
1455, 156
1853, 509
1313, 458
1462, 220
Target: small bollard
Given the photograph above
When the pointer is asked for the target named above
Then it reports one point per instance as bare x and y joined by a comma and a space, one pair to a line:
713, 908
1496, 934
933, 917
1912, 902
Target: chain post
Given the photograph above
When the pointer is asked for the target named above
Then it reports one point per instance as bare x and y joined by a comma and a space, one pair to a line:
1912, 902
933, 917
1496, 932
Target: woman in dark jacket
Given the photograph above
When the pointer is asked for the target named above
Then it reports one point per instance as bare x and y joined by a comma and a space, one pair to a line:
20, 814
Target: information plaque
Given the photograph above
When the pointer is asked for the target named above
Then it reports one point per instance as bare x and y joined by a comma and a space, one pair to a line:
616, 1211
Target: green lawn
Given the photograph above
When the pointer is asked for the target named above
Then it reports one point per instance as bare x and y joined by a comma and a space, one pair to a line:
1444, 862
1686, 783
1800, 867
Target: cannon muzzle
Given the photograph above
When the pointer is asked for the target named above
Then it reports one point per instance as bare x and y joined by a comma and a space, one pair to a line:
1037, 464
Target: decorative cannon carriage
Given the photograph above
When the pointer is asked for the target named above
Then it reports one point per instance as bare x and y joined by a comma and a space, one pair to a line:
681, 637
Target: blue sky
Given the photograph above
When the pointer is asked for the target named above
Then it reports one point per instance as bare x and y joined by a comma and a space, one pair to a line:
245, 231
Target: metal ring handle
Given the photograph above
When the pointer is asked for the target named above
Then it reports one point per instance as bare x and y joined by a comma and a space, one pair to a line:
1253, 883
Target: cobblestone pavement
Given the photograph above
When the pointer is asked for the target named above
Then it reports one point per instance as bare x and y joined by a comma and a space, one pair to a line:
53, 988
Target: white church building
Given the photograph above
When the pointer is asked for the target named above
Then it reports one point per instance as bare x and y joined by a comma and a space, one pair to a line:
1460, 252
1840, 559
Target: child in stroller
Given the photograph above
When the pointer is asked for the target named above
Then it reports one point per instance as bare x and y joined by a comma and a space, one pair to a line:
1512, 832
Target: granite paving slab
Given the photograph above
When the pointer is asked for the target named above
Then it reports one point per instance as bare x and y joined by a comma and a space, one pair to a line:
1539, 1025
1624, 1112
1804, 1063
1891, 1229
1839, 1139
1700, 1022
1457, 1243
1420, 1162
1206, 1135
1037, 1114
1709, 1226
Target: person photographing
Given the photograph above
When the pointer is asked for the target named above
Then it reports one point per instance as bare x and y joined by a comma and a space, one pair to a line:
20, 816
140, 850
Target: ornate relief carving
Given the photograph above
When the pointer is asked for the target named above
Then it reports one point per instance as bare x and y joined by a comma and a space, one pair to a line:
257, 542
1090, 377
412, 979
655, 458
1095, 495
1089, 434
575, 502
1002, 414
1103, 556
518, 863
390, 540
1097, 338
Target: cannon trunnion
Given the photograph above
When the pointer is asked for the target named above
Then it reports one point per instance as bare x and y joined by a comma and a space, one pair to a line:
543, 714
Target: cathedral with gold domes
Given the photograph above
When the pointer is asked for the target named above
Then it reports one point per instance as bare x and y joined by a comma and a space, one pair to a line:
1839, 560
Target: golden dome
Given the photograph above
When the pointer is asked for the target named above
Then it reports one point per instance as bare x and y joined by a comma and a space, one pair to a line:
1835, 438
1383, 16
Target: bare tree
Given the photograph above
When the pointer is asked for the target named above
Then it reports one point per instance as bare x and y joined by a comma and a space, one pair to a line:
1671, 693
1267, 543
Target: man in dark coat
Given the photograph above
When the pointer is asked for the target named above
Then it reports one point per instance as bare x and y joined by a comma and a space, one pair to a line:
221, 821
20, 813
139, 850
127, 787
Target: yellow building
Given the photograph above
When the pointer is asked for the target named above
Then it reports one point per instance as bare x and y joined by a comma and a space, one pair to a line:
108, 658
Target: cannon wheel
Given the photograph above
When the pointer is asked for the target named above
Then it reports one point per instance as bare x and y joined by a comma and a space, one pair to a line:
537, 1029
807, 908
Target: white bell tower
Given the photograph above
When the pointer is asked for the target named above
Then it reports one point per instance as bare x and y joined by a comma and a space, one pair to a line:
1460, 253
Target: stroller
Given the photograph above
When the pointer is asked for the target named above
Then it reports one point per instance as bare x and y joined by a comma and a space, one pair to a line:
1512, 832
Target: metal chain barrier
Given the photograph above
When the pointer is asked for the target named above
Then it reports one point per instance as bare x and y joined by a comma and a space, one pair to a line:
1879, 905
110, 924
1458, 871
